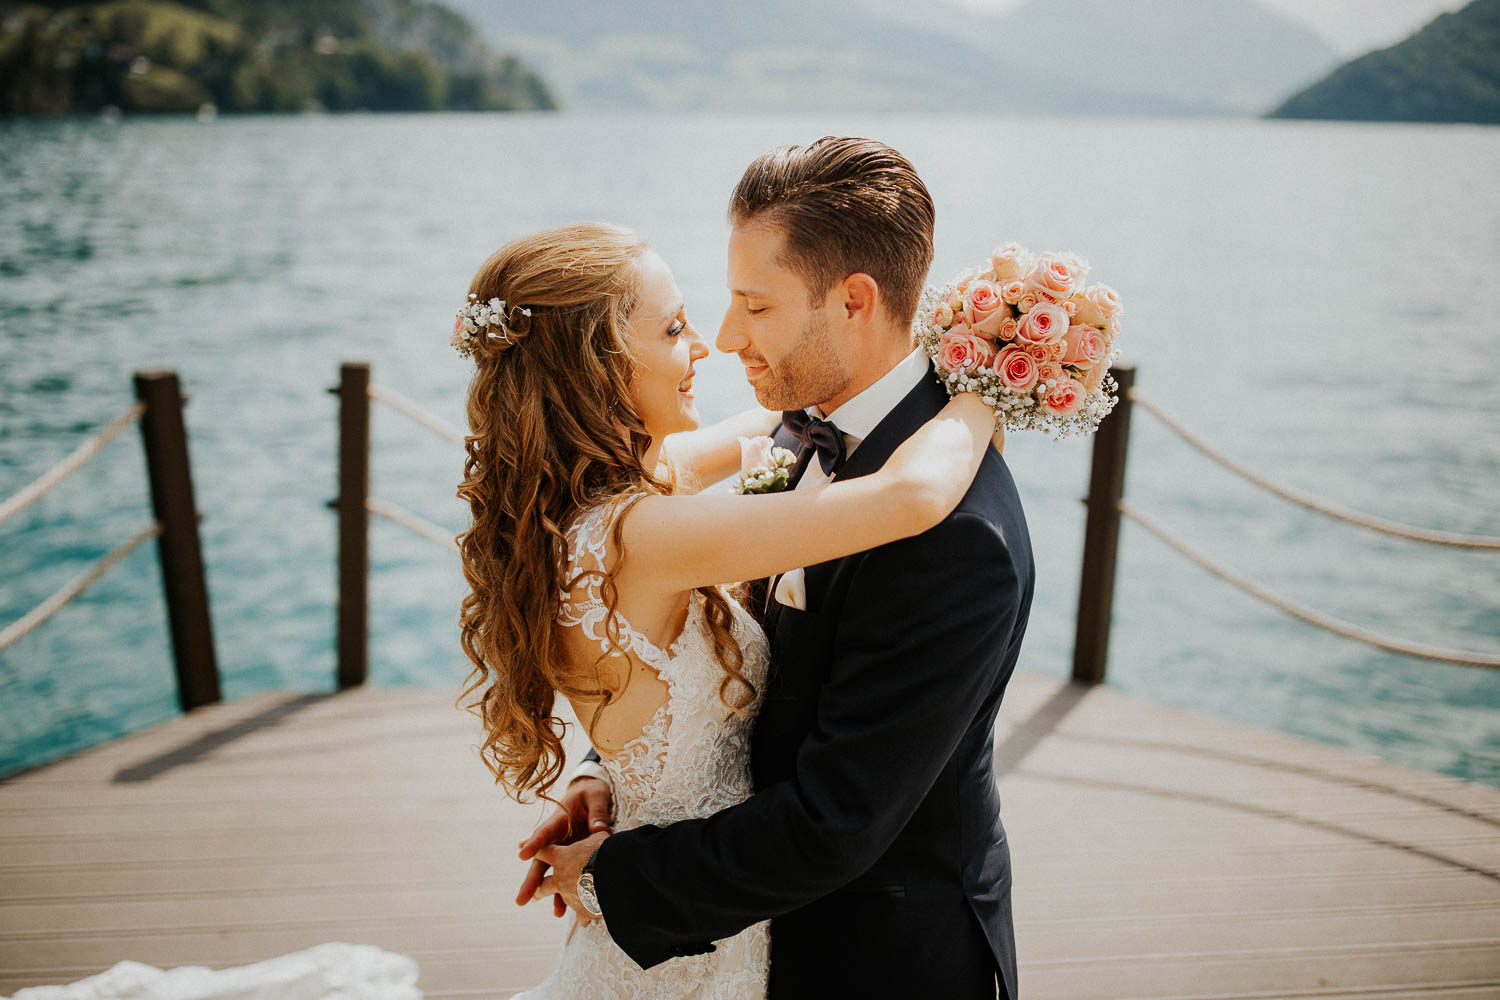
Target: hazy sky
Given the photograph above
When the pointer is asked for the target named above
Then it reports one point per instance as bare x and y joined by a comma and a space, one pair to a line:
1350, 26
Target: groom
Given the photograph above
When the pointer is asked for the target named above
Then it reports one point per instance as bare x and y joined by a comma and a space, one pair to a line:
873, 841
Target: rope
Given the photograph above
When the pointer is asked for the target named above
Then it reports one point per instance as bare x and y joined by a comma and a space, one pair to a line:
53, 604
1308, 501
1334, 625
69, 465
412, 522
401, 404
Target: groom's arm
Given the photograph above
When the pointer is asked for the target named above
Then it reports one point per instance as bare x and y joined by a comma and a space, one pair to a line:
923, 620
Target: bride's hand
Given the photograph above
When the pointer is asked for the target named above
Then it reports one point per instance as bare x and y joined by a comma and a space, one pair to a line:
939, 461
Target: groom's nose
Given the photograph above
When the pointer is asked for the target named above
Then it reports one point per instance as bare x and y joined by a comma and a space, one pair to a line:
731, 338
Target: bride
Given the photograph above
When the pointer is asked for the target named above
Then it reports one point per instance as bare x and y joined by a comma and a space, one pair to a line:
596, 572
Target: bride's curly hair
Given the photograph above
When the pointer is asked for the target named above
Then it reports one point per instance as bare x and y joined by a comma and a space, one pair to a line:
553, 430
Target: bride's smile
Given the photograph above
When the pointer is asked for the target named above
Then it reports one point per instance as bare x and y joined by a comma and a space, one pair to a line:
665, 347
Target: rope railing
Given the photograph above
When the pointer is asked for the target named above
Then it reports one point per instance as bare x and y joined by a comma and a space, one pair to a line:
402, 405
39, 614
1331, 624
79, 457
1306, 500
412, 522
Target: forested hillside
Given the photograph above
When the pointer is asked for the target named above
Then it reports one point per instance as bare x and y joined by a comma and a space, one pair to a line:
253, 55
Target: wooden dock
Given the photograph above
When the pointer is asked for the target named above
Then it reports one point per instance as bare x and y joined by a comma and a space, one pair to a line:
1157, 853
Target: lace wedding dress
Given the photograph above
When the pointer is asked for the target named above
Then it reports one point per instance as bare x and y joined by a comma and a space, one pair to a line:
692, 760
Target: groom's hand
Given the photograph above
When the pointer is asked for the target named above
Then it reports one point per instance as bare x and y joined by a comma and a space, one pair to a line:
584, 810
567, 863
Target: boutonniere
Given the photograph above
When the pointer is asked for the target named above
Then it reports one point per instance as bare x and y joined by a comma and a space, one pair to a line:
764, 468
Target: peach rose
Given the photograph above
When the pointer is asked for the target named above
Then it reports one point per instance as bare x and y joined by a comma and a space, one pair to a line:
755, 453
961, 351
943, 315
1065, 398
1010, 262
1093, 379
1017, 369
1097, 305
1050, 371
1011, 291
1037, 351
1008, 328
993, 326
981, 300
1083, 345
1028, 302
1046, 323
1056, 276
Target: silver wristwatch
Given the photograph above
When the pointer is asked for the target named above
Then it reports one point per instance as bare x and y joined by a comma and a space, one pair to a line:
586, 894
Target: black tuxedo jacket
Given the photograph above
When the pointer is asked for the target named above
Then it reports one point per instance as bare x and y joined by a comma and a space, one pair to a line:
873, 841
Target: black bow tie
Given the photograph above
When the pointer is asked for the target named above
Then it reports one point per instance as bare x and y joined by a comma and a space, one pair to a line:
822, 435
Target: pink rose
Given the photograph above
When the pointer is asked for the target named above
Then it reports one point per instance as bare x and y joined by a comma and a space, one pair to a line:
943, 315
1011, 291
981, 300
993, 326
1046, 323
1010, 262
1017, 369
1083, 345
1056, 276
1065, 398
1093, 379
1097, 305
961, 351
755, 453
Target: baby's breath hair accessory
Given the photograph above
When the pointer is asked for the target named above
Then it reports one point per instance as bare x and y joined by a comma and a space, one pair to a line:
494, 319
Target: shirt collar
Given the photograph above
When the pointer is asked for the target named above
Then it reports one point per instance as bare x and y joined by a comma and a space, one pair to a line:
859, 415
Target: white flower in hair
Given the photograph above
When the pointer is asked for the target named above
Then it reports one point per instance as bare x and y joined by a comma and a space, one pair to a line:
491, 316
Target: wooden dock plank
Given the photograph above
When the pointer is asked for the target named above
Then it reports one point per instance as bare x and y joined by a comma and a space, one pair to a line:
1157, 853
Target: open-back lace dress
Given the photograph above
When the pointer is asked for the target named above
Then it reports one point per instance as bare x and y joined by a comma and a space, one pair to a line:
692, 760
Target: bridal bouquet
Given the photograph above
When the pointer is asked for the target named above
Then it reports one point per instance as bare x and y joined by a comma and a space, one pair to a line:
1027, 335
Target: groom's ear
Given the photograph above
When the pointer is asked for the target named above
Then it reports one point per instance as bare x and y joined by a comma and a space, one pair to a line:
861, 296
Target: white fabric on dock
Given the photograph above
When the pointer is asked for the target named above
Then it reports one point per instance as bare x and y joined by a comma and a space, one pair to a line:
334, 971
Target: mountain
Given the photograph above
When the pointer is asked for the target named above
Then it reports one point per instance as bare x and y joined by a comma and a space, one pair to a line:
1059, 56
252, 55
1447, 72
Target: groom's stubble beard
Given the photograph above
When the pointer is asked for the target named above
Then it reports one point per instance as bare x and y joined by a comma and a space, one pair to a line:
810, 373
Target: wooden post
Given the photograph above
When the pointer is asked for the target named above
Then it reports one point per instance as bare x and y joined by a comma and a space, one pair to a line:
177, 547
353, 391
1101, 536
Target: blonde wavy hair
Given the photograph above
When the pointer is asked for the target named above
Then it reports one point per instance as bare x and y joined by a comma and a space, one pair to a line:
553, 430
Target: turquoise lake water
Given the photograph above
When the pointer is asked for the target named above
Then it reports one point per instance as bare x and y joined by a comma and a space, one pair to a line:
1319, 300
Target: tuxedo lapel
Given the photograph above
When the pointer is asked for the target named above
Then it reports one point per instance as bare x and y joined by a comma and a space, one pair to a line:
917, 407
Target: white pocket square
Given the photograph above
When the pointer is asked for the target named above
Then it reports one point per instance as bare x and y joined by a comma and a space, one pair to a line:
791, 590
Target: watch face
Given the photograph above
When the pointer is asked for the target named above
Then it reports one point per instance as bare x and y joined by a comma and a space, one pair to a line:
586, 894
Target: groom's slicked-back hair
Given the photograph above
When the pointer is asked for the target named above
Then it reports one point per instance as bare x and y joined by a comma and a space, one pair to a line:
845, 206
